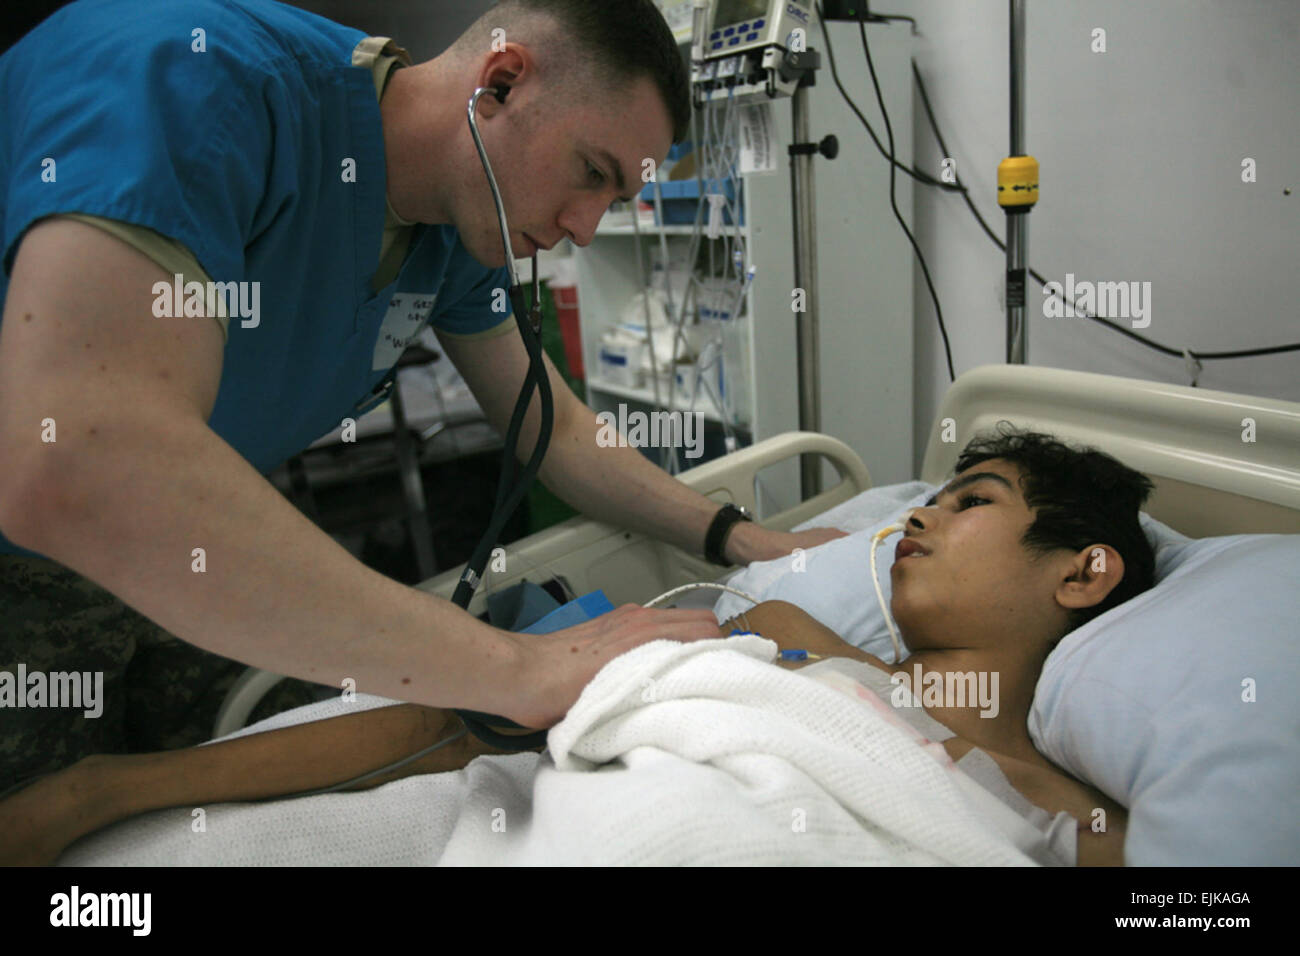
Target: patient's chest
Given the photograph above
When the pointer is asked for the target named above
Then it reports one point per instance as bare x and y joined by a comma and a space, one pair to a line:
1048, 798
1038, 790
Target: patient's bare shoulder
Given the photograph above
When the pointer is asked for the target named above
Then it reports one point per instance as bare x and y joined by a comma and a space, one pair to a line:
1047, 786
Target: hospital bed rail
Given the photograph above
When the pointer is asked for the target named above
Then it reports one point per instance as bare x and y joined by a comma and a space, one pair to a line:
629, 567
632, 568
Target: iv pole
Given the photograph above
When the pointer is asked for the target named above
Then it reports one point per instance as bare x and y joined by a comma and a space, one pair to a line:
1017, 194
804, 218
796, 68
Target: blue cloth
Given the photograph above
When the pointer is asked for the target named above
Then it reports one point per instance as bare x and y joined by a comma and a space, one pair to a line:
238, 154
521, 604
527, 608
585, 608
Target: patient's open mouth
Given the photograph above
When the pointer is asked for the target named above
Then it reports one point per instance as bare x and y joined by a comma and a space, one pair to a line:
908, 547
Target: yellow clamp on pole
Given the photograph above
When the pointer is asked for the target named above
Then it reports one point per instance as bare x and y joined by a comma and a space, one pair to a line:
1018, 182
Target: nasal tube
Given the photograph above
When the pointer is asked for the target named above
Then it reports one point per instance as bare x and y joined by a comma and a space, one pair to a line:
876, 540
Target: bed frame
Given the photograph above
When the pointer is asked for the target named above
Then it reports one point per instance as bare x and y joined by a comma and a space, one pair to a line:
1189, 441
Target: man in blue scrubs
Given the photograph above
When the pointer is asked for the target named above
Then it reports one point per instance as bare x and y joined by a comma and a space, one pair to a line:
222, 222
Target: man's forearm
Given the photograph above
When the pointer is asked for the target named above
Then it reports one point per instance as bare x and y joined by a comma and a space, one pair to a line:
133, 501
619, 486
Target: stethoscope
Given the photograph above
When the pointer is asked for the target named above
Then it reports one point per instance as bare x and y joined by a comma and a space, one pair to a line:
529, 319
516, 288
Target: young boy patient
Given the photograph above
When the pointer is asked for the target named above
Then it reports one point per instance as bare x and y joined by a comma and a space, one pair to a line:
1030, 540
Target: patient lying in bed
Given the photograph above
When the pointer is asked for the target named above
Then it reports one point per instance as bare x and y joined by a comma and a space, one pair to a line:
1030, 540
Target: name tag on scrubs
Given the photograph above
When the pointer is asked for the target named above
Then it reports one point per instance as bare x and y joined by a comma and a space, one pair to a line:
407, 314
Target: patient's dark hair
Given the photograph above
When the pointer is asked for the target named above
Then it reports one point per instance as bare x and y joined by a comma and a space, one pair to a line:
1080, 496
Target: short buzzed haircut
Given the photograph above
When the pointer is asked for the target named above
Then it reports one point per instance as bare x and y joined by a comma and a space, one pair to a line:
592, 49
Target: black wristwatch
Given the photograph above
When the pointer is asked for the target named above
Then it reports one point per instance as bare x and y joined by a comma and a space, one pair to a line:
716, 539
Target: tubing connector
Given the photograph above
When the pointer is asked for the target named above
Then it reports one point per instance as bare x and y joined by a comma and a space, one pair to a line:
876, 539
1018, 183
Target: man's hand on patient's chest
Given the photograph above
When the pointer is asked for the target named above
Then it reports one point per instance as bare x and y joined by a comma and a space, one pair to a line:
555, 667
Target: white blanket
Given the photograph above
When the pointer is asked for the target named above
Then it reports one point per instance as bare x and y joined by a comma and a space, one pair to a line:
697, 753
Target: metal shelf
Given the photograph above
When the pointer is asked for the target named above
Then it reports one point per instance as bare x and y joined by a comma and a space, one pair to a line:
646, 395
652, 230
865, 282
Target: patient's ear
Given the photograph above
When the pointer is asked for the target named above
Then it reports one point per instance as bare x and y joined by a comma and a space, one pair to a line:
1089, 576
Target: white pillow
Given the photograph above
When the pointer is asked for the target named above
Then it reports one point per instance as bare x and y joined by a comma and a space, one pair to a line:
1143, 701
1149, 703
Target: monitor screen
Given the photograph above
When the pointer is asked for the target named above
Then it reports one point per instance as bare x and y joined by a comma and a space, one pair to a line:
738, 11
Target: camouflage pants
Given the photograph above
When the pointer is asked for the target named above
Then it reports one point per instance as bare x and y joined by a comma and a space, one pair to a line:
159, 693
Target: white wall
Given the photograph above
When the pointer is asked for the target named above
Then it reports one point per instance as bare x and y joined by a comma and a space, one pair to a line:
1141, 151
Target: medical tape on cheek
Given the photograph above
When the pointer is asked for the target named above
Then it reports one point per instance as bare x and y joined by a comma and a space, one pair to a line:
876, 540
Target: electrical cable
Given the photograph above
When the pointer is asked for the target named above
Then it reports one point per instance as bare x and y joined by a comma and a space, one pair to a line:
959, 187
696, 586
893, 166
1177, 353
917, 174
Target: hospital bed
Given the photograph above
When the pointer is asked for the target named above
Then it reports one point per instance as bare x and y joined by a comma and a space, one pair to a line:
1189, 441
1178, 704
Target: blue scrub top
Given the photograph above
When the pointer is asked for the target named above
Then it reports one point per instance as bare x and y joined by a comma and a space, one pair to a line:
238, 154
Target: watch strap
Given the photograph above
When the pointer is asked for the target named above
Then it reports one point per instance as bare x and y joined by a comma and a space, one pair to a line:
726, 518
